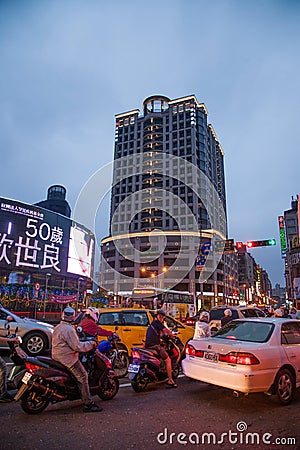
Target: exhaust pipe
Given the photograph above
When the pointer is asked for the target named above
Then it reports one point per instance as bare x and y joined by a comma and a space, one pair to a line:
20, 392
48, 391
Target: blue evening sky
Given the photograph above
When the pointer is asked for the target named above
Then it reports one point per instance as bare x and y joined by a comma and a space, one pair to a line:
68, 66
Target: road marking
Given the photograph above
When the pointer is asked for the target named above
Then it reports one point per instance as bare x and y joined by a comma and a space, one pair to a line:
129, 384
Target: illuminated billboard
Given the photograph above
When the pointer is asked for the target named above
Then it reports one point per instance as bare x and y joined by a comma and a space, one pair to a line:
33, 239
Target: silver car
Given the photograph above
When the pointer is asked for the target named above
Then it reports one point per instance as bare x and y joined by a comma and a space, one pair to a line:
36, 336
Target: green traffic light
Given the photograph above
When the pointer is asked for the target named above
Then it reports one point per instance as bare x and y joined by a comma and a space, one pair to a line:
271, 242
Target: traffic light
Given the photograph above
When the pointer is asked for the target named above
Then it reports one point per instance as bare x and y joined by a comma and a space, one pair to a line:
263, 243
240, 245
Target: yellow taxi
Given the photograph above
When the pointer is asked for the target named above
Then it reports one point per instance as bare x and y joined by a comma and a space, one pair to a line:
132, 324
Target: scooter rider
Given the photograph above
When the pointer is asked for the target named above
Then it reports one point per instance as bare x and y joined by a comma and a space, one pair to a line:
153, 341
90, 325
65, 349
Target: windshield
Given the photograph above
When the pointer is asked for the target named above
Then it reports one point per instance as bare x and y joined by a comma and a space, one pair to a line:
217, 314
246, 331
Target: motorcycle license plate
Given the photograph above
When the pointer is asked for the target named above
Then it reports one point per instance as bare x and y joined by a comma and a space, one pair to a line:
26, 377
213, 357
133, 368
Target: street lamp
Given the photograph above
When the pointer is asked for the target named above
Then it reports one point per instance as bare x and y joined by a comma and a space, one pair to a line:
48, 275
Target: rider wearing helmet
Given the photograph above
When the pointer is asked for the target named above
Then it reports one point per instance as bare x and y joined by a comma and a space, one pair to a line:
202, 329
153, 341
227, 317
65, 349
90, 325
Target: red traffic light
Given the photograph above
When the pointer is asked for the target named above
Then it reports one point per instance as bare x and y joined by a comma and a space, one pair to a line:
250, 244
240, 245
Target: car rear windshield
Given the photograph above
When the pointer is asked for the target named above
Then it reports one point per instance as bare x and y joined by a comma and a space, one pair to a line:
217, 314
246, 331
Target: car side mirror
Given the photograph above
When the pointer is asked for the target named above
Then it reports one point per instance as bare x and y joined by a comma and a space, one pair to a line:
9, 319
116, 328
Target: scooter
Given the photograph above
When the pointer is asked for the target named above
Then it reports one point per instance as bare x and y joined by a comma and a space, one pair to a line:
147, 367
48, 381
18, 357
118, 356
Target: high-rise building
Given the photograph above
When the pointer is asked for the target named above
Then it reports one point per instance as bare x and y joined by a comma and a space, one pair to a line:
168, 203
290, 243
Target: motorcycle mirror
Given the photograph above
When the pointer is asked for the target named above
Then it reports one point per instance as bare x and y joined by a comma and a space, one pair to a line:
16, 330
79, 329
116, 328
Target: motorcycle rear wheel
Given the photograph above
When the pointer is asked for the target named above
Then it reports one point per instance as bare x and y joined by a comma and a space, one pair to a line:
139, 384
121, 363
109, 389
33, 402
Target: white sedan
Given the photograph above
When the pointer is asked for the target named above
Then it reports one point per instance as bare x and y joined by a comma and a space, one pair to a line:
253, 355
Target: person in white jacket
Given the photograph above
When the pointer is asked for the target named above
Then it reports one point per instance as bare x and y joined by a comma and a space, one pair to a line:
65, 349
202, 329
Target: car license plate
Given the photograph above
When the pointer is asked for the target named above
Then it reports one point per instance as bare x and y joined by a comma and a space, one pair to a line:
133, 368
213, 357
26, 377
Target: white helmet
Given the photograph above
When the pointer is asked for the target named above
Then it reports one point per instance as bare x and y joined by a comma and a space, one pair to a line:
277, 313
204, 316
93, 313
227, 312
68, 314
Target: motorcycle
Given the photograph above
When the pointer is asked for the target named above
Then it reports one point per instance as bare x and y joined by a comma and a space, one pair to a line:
147, 367
118, 356
18, 357
48, 381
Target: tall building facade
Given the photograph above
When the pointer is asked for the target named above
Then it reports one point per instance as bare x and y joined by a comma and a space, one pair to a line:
168, 203
290, 247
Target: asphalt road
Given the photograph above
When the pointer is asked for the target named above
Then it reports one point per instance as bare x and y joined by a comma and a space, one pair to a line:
146, 421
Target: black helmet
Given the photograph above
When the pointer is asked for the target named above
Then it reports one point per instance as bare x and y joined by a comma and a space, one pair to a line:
68, 314
161, 312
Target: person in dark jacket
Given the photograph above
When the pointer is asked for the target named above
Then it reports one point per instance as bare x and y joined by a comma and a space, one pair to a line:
227, 317
153, 341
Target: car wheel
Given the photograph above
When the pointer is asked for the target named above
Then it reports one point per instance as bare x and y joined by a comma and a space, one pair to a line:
285, 386
34, 343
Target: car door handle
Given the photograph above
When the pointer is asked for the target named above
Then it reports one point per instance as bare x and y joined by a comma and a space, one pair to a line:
126, 329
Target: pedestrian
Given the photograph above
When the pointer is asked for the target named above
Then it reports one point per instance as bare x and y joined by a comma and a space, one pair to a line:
202, 329
227, 317
293, 313
5, 397
278, 313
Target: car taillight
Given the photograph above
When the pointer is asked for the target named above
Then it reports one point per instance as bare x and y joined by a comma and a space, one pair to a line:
189, 322
32, 367
136, 354
190, 350
239, 358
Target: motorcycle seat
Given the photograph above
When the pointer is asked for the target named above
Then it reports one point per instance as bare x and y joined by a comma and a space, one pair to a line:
151, 351
52, 363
